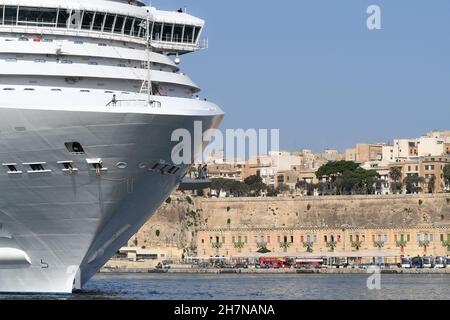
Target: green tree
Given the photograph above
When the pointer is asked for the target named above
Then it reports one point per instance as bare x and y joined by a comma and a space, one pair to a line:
356, 244
255, 185
346, 177
401, 244
395, 173
432, 184
378, 244
446, 174
285, 245
332, 245
262, 247
412, 184
309, 246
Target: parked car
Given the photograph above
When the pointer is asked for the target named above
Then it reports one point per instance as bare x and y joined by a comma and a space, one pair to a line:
428, 262
241, 265
405, 263
417, 262
440, 262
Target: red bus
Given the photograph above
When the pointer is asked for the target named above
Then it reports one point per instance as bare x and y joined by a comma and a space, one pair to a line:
274, 263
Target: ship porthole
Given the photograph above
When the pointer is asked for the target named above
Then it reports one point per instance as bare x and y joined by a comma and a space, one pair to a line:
122, 165
142, 165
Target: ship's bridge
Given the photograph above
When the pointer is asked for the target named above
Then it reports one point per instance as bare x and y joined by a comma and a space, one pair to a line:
171, 32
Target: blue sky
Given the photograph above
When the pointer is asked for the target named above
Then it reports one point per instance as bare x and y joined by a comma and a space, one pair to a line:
314, 70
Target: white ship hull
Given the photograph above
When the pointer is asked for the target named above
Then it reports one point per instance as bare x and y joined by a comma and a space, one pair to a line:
59, 228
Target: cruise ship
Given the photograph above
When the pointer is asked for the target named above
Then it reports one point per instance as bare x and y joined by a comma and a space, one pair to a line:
90, 94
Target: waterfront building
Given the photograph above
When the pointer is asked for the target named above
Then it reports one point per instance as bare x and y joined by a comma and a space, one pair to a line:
282, 242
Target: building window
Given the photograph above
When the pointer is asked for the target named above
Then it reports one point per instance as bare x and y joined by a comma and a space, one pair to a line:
418, 237
408, 237
431, 237
268, 239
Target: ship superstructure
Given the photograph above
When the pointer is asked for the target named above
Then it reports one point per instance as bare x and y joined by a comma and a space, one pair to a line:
90, 94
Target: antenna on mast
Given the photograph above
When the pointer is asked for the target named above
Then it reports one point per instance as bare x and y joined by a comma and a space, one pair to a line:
149, 66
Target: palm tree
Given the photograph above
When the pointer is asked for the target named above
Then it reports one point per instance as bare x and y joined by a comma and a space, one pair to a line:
217, 246
401, 244
424, 244
285, 245
356, 244
309, 246
332, 245
378, 244
446, 243
395, 173
239, 245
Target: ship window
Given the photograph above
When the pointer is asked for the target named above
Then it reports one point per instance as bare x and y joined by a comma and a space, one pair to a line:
66, 62
1, 14
37, 167
177, 33
128, 25
121, 65
74, 147
67, 165
11, 60
157, 31
119, 24
9, 89
188, 32
29, 89
98, 21
88, 16
138, 24
75, 20
93, 63
22, 38
47, 40
78, 42
85, 90
167, 32
11, 167
39, 60
102, 44
109, 23
196, 33
55, 89
63, 18
10, 15
36, 16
